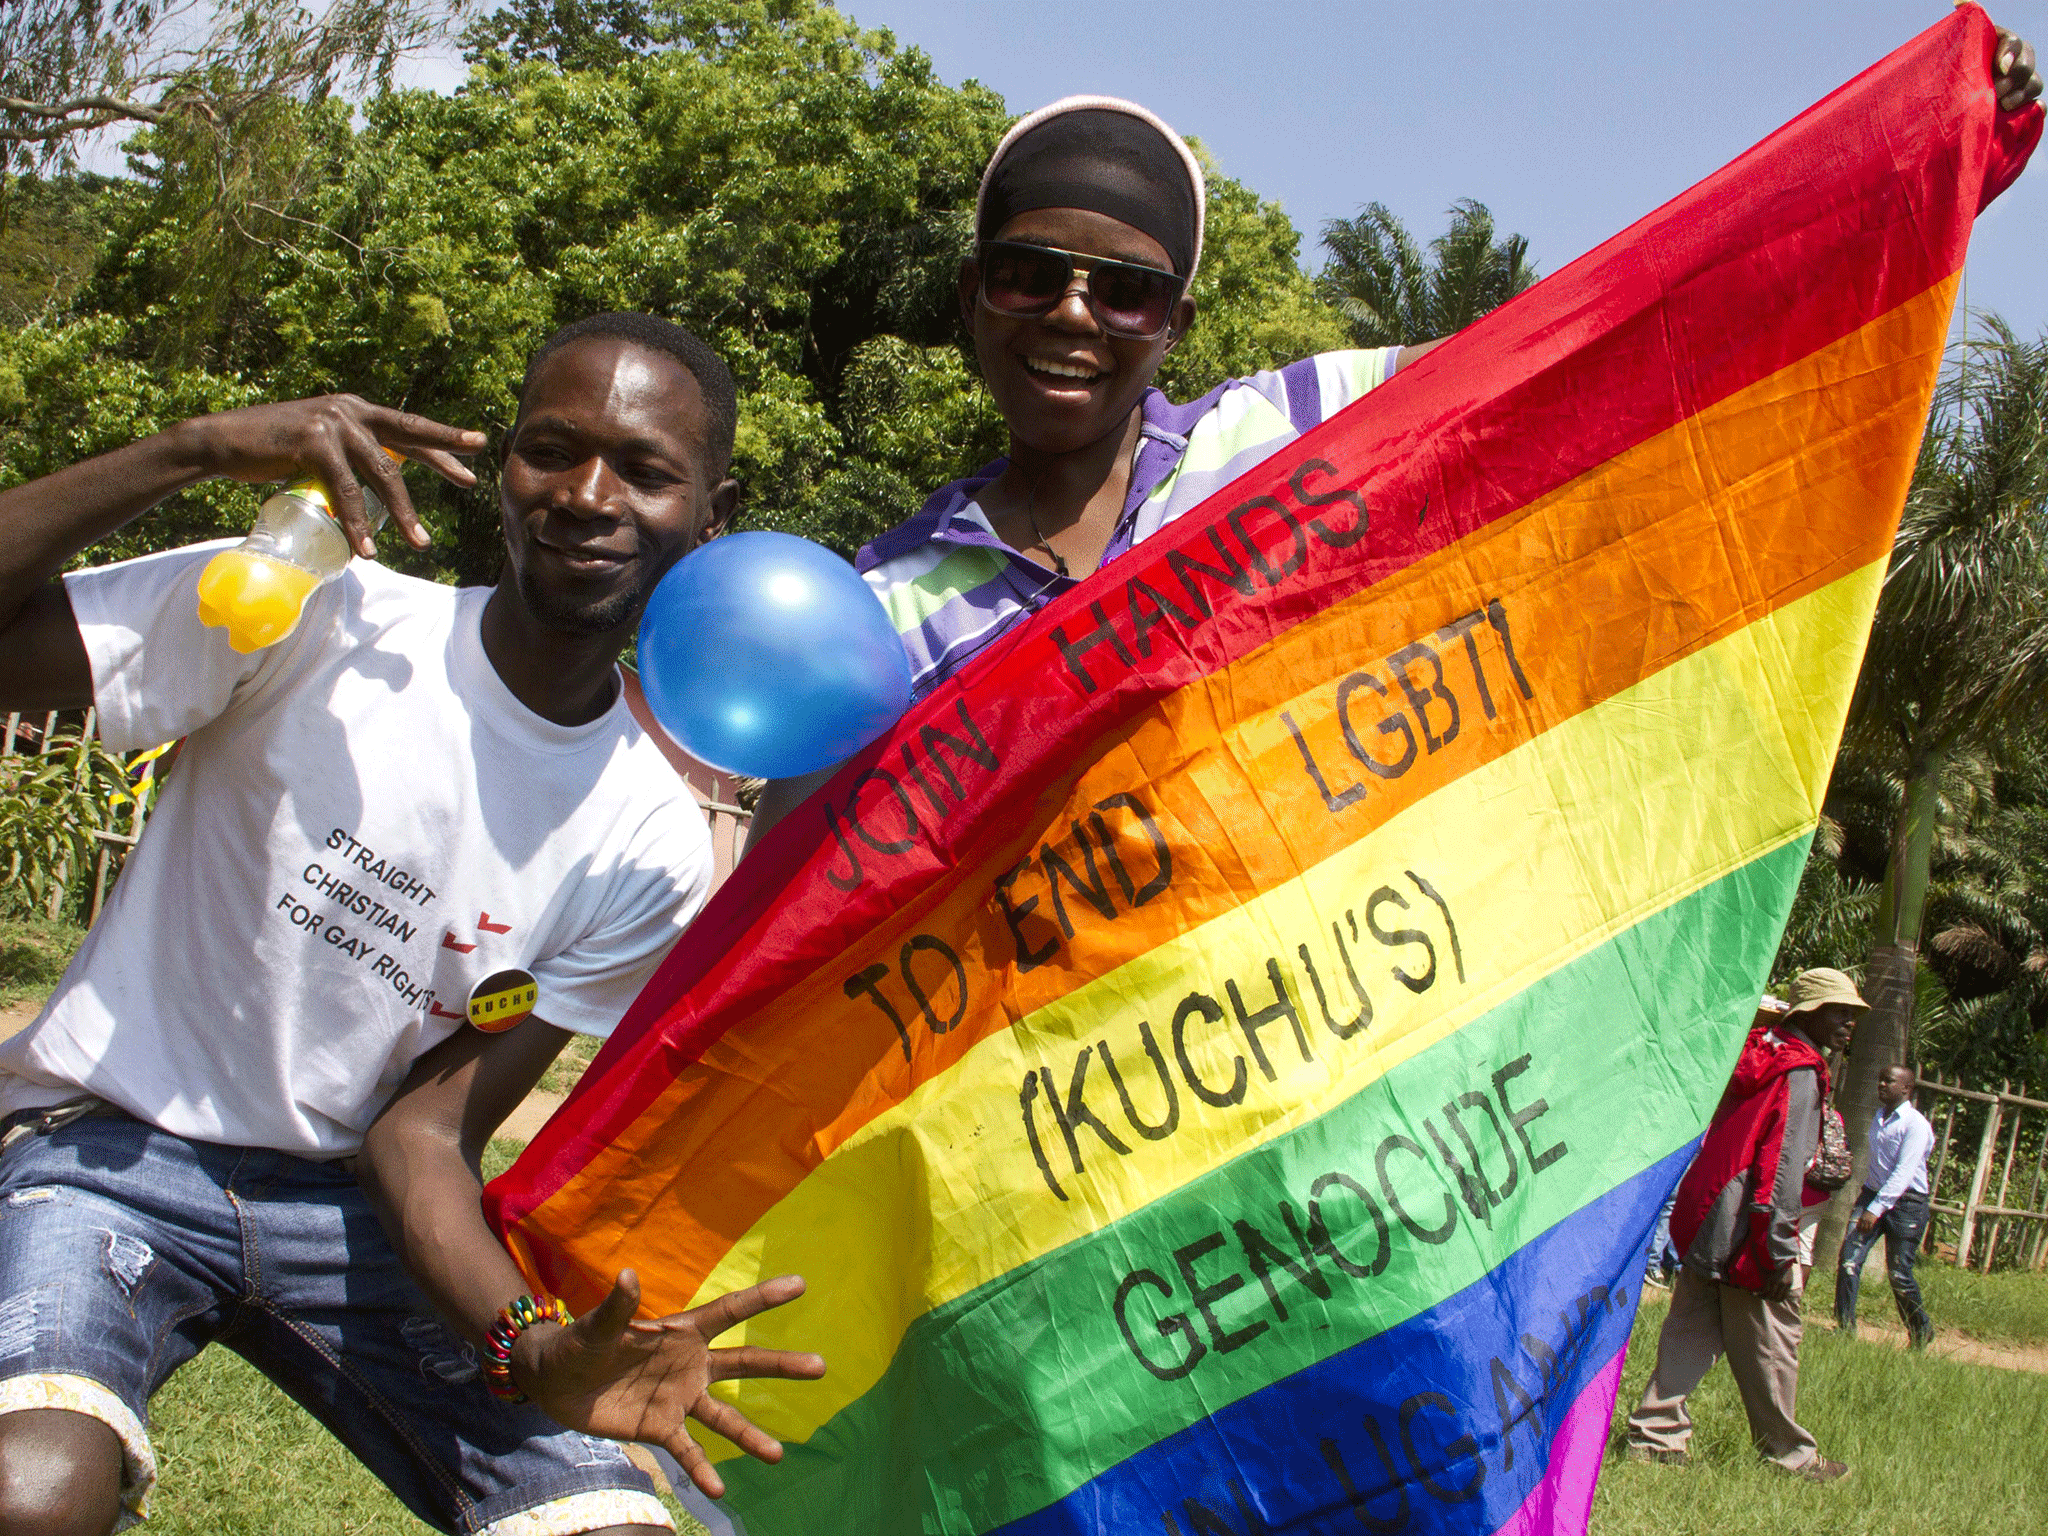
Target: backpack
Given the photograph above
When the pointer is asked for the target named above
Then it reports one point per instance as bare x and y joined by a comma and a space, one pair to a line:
1832, 1165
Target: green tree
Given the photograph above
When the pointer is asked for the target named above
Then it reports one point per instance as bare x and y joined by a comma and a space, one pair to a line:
1393, 294
1981, 992
1254, 308
71, 389
778, 180
793, 188
69, 68
1957, 663
50, 231
574, 34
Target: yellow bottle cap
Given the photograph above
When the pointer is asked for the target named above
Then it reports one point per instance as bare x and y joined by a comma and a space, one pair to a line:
315, 490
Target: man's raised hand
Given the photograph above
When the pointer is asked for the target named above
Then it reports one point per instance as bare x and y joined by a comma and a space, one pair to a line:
2013, 73
339, 438
611, 1374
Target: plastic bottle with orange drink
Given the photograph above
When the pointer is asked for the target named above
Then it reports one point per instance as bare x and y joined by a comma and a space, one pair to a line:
257, 590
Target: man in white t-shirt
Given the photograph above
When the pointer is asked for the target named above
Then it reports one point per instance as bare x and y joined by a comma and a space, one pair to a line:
405, 851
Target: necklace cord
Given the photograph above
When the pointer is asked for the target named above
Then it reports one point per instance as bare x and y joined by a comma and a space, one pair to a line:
1059, 564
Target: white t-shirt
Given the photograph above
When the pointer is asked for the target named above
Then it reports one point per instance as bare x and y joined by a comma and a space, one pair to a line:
364, 824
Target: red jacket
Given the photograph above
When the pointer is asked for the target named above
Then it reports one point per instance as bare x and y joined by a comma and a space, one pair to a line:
1737, 1216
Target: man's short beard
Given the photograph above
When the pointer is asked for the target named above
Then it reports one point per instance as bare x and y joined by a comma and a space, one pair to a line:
595, 618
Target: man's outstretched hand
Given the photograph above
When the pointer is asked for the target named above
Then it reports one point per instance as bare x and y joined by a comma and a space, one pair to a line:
623, 1378
341, 439
2014, 76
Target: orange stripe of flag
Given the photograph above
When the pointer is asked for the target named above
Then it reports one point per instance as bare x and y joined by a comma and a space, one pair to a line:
1754, 503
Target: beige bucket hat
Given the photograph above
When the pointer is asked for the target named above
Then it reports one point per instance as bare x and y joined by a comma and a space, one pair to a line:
1819, 987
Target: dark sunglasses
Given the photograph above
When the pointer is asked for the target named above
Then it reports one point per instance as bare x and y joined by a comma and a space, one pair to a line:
1126, 299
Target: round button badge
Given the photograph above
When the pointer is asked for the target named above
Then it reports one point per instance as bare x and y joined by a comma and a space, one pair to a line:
502, 999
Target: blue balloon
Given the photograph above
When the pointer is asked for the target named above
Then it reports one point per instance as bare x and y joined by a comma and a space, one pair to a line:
764, 654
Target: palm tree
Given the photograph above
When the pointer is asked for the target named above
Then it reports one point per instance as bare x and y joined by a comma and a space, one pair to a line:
1984, 980
1392, 294
1958, 659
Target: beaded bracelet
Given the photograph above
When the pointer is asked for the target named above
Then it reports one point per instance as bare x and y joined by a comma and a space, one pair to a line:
511, 1321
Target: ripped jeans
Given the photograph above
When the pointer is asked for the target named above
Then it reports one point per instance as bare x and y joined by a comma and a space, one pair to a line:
1901, 1227
124, 1251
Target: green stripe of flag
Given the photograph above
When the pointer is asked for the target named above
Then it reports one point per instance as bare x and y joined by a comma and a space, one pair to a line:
1628, 1047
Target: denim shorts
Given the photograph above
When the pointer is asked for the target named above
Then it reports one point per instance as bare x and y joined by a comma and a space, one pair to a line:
124, 1251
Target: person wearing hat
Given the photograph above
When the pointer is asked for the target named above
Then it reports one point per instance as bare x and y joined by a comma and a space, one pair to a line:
1736, 1222
1088, 234
1892, 1202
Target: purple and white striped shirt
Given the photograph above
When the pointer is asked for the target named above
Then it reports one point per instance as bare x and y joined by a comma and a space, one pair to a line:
952, 587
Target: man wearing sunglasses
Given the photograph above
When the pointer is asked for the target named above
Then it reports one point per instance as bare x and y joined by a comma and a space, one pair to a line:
1088, 232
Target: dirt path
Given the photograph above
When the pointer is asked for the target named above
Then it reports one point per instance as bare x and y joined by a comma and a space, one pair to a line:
1947, 1345
16, 1017
531, 1115
1957, 1346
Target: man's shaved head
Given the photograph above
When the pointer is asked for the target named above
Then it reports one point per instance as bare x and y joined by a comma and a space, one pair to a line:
714, 379
1895, 1085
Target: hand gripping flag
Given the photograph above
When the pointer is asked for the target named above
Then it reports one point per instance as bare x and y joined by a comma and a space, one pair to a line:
1218, 1060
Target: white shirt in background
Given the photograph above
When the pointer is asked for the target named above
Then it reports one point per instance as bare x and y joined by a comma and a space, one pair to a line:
1900, 1140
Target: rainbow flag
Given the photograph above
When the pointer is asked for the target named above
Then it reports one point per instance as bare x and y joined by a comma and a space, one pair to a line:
1218, 1060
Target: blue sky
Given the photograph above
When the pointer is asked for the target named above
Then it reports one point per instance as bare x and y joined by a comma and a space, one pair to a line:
1569, 120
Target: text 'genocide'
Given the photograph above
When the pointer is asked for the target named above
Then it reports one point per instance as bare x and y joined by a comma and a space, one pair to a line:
1347, 1217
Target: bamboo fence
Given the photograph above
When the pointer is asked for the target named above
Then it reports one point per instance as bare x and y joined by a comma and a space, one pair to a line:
24, 732
1989, 1173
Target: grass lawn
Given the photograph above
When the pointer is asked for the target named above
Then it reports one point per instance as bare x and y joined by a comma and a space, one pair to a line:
33, 954
566, 1068
236, 1457
1937, 1448
2006, 1307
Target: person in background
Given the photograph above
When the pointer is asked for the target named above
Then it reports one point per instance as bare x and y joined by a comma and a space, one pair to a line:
1893, 1202
1661, 1261
1833, 1166
1737, 1221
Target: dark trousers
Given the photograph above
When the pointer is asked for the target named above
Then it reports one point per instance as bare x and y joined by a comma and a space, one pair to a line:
1901, 1227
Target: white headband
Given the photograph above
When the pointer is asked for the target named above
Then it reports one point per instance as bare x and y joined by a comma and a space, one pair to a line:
1066, 104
